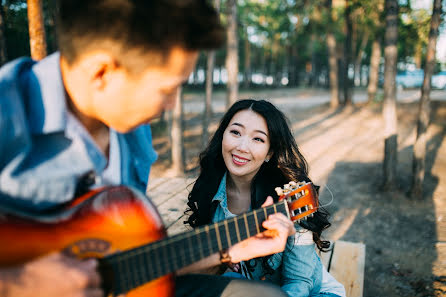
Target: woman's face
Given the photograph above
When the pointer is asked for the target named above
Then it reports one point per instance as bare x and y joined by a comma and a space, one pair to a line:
245, 144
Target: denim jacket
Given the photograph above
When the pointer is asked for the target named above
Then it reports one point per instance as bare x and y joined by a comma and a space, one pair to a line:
44, 151
298, 269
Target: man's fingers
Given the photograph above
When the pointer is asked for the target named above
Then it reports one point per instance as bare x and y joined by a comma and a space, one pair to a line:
94, 280
85, 275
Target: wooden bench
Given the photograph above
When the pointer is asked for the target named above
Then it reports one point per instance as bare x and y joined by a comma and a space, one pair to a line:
345, 261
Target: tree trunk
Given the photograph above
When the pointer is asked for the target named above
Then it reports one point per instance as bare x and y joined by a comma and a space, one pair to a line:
51, 16
3, 52
177, 136
274, 67
293, 74
312, 74
374, 70
247, 73
207, 115
347, 52
37, 39
232, 54
264, 59
419, 152
389, 108
358, 60
418, 55
332, 59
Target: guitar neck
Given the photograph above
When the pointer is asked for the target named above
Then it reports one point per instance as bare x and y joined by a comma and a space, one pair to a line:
132, 268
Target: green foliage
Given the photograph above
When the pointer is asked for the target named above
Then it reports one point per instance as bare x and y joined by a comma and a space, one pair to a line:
16, 29
282, 34
413, 33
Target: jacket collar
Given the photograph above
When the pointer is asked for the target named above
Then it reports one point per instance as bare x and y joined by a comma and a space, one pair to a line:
46, 96
220, 196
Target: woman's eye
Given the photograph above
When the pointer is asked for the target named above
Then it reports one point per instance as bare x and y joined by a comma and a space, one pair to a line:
235, 132
259, 139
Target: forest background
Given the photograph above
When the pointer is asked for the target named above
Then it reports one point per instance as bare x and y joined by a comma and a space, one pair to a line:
376, 148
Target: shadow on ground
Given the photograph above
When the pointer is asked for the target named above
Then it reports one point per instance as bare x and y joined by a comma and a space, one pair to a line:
400, 234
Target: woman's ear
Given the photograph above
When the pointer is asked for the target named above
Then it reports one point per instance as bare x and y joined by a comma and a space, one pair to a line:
268, 157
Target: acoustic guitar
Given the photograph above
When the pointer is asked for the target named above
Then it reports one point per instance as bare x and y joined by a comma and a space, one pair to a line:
122, 228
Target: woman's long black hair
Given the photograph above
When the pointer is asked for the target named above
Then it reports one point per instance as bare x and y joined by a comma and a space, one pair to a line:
286, 164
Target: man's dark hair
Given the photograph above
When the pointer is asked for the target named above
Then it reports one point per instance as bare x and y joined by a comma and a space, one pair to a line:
137, 26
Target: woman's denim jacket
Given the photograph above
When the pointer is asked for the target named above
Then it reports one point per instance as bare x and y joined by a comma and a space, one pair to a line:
298, 270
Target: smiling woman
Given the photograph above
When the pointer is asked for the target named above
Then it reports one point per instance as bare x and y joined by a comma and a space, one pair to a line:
245, 145
252, 152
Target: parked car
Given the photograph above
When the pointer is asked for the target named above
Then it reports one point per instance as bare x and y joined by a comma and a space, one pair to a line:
439, 80
410, 79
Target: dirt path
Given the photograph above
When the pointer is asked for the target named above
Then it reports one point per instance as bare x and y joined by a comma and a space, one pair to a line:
405, 240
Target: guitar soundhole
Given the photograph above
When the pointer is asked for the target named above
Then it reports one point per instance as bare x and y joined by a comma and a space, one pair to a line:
88, 248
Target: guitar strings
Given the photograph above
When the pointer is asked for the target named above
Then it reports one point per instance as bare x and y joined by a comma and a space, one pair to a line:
141, 276
175, 238
174, 259
331, 194
127, 279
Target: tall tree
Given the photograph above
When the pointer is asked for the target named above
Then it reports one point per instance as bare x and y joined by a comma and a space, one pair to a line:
177, 136
348, 52
359, 57
207, 115
375, 23
332, 58
247, 64
374, 69
3, 55
419, 152
36, 26
232, 53
389, 108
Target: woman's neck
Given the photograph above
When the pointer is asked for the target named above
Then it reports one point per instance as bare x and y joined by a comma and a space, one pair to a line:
238, 193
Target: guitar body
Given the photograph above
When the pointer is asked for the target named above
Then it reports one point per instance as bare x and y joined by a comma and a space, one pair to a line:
122, 228
99, 223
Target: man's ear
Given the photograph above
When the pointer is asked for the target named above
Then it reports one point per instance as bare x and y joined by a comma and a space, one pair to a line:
100, 68
92, 70
87, 77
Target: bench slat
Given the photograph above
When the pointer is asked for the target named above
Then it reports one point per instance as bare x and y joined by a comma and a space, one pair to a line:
347, 266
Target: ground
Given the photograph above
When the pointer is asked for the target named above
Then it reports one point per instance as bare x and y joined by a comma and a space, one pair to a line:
405, 239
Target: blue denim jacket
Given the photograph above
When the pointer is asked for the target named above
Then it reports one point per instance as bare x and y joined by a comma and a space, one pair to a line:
44, 151
298, 270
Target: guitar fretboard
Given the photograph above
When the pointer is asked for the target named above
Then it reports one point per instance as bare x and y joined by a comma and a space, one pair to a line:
130, 269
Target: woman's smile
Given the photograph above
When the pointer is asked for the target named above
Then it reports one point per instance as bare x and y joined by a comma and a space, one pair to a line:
237, 160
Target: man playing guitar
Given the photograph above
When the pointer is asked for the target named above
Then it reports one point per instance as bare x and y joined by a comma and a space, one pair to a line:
80, 118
